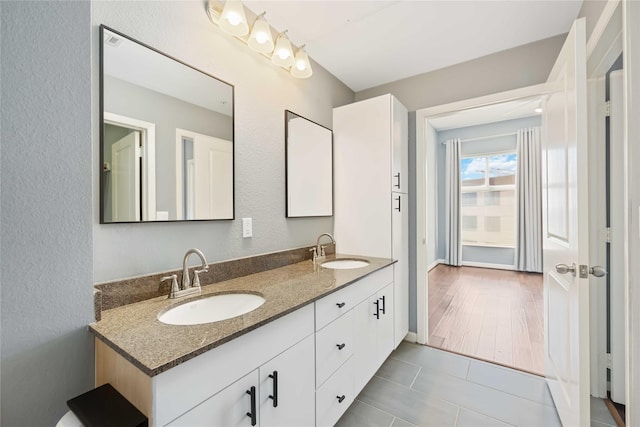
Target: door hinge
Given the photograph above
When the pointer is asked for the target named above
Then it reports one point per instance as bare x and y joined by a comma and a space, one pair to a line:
607, 109
606, 234
608, 360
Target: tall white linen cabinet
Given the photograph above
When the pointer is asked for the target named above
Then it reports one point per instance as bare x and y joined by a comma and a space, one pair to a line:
371, 190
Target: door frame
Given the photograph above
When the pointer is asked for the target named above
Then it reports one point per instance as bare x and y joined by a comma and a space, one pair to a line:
148, 140
426, 183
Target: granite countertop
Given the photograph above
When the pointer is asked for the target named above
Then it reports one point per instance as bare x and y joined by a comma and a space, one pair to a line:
135, 332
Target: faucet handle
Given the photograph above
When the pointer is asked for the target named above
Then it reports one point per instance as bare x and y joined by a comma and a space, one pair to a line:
174, 284
315, 253
196, 278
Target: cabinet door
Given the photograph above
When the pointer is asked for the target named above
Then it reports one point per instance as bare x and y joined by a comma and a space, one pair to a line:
287, 387
400, 237
400, 147
229, 408
385, 335
365, 342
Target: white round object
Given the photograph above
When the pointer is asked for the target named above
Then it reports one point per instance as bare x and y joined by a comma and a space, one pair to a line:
69, 420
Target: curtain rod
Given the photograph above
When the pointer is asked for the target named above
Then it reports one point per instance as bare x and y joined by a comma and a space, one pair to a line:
485, 137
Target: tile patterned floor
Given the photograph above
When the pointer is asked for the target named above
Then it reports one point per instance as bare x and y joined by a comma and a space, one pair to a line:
424, 386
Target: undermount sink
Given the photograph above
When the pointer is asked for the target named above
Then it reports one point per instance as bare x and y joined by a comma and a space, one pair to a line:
345, 264
211, 309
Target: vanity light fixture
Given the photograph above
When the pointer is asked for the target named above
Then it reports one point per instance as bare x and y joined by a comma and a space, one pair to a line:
260, 39
538, 110
283, 54
301, 67
231, 18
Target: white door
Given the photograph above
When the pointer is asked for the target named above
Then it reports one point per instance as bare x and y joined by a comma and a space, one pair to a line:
565, 231
125, 173
213, 177
400, 238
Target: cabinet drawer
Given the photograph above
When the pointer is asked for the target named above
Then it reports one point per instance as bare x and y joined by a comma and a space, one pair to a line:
335, 396
334, 345
336, 304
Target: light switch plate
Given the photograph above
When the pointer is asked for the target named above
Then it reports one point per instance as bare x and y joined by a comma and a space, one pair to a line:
247, 228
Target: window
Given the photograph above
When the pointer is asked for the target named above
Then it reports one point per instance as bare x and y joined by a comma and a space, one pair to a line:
487, 200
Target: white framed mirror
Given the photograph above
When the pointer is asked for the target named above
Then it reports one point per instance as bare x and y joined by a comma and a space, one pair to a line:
166, 143
309, 167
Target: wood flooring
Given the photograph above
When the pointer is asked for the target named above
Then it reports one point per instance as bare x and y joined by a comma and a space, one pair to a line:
494, 315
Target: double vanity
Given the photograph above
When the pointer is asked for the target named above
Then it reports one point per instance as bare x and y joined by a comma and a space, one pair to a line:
288, 346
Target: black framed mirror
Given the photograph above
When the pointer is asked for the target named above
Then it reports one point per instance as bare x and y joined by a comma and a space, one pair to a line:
166, 139
309, 171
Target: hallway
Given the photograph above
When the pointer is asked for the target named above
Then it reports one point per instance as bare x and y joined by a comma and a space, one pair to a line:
494, 315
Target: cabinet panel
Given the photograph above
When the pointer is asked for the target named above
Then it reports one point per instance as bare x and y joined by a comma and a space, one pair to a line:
362, 167
400, 147
365, 342
385, 324
335, 396
227, 408
334, 345
289, 378
400, 232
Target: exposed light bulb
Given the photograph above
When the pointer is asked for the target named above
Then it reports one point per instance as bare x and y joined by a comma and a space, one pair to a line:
538, 110
233, 20
302, 66
283, 55
260, 39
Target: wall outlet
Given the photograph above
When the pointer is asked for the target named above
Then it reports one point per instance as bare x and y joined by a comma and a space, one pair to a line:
247, 228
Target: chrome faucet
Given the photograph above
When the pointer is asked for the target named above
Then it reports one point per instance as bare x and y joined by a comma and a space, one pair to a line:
187, 288
318, 251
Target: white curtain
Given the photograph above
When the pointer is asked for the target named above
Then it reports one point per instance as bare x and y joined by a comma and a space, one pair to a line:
529, 213
452, 203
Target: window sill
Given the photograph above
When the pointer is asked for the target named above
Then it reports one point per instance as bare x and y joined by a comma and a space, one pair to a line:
487, 245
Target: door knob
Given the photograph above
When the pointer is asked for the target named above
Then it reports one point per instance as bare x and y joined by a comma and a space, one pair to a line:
598, 271
564, 269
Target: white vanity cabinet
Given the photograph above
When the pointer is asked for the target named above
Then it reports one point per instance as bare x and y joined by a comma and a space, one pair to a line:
279, 393
371, 193
374, 335
354, 343
303, 369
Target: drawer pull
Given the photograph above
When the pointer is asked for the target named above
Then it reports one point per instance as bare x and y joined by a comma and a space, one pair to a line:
384, 304
274, 396
340, 398
341, 346
341, 304
252, 392
377, 313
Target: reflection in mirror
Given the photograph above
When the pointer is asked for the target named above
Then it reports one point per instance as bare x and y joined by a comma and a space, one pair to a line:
309, 173
167, 137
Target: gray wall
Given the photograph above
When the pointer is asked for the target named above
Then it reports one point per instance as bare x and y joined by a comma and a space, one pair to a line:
262, 93
46, 169
486, 255
522, 66
140, 103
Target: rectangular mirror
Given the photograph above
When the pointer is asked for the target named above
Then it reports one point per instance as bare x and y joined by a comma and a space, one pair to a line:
309, 171
166, 145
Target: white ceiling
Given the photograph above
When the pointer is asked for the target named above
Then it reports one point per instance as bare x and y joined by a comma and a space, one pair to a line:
367, 43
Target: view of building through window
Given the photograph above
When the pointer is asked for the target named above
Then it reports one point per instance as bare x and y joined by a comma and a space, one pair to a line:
487, 200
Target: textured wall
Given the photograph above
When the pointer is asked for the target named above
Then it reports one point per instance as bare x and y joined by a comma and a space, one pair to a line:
262, 93
47, 353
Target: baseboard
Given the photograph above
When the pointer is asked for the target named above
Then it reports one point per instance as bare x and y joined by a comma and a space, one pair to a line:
411, 337
434, 264
487, 265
